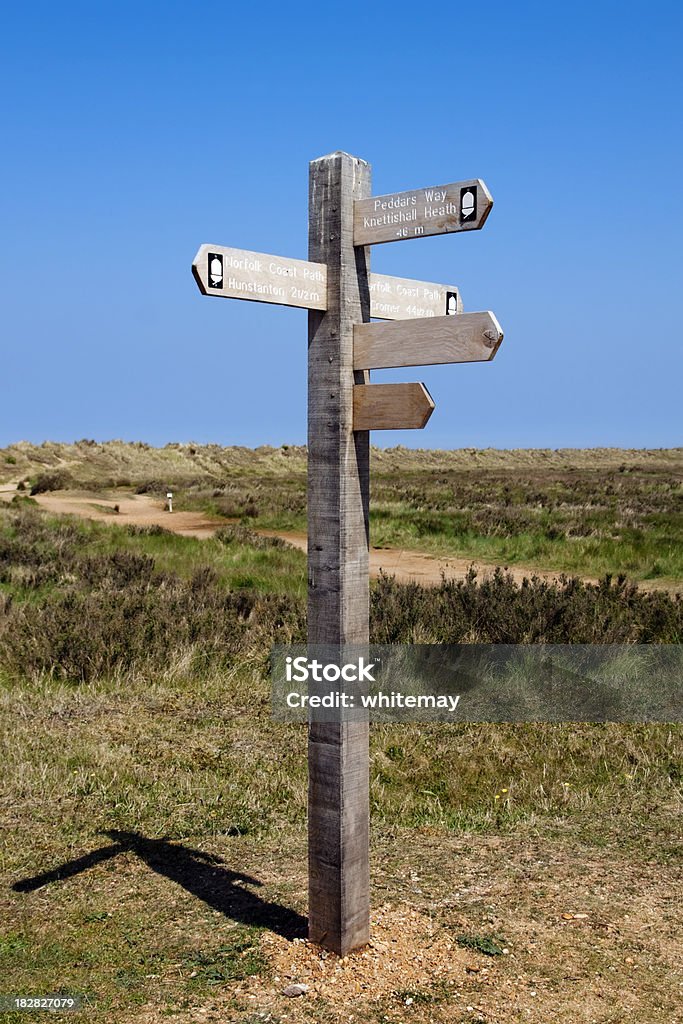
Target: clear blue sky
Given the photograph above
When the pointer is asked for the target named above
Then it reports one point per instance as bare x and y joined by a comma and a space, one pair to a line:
133, 132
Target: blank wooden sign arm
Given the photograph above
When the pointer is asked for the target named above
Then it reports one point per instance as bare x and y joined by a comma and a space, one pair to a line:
465, 338
391, 406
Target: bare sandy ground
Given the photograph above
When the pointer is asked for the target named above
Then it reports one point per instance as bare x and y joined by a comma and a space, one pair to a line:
405, 565
143, 510
136, 509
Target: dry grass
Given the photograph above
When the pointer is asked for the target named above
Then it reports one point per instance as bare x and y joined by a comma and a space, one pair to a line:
137, 463
588, 512
153, 847
153, 857
591, 935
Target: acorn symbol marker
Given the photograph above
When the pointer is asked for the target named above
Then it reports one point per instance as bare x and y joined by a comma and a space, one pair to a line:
467, 206
216, 271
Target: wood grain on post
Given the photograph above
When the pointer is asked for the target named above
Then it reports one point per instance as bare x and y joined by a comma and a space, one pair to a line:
465, 338
338, 594
391, 406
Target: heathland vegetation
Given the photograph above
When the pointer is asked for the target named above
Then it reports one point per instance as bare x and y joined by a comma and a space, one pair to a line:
583, 512
154, 813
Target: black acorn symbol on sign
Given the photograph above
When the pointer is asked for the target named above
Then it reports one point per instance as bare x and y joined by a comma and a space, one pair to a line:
215, 270
468, 204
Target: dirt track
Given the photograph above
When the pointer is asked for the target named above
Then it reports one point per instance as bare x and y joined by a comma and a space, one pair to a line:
143, 510
405, 565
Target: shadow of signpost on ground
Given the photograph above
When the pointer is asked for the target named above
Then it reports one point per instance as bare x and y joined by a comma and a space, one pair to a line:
202, 874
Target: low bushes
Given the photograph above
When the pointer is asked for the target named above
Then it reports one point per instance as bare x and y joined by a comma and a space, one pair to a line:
57, 480
139, 624
76, 613
497, 610
237, 533
96, 614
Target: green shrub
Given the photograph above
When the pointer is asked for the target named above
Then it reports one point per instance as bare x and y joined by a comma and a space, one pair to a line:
237, 533
137, 619
499, 611
152, 487
154, 530
78, 614
59, 480
486, 944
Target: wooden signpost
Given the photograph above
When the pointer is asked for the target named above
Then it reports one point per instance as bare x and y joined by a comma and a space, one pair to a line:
427, 326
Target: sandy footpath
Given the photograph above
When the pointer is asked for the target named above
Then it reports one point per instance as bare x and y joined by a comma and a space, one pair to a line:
405, 565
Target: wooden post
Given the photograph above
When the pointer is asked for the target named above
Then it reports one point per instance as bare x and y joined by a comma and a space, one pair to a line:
335, 285
338, 595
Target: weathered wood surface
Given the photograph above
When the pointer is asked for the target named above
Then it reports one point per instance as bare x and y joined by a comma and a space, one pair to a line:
458, 206
467, 338
391, 406
260, 277
338, 591
400, 298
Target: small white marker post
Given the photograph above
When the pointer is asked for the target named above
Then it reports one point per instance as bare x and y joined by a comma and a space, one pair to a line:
169, 495
426, 326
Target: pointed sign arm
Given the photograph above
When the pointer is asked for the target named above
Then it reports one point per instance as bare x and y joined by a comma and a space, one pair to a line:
259, 276
391, 406
402, 298
227, 273
458, 206
465, 338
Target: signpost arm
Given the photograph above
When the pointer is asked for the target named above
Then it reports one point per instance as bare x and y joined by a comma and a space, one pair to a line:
338, 596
